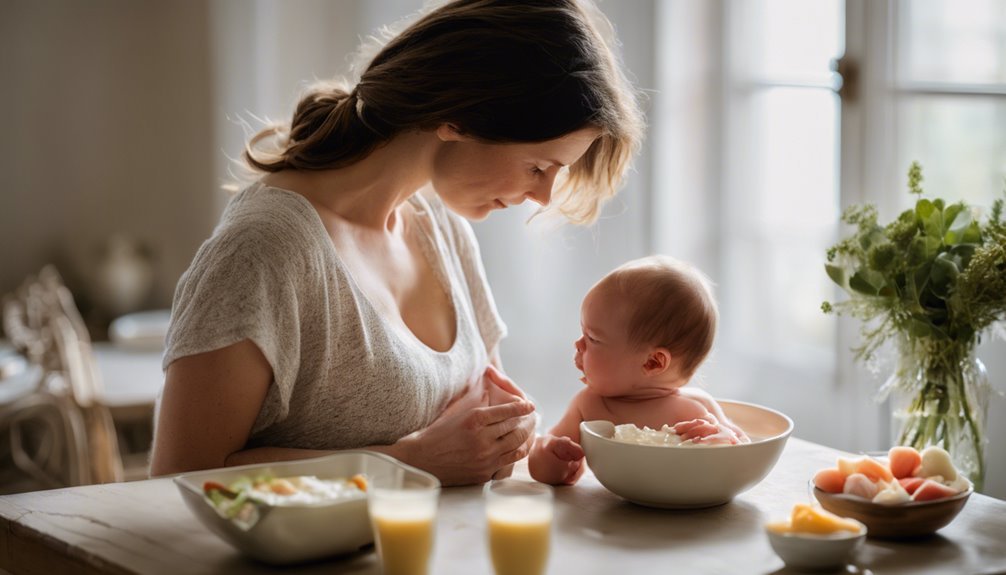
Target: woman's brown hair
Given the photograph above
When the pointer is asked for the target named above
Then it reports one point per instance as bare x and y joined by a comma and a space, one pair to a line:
502, 71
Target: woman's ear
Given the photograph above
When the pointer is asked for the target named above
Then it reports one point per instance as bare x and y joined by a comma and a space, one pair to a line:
451, 133
657, 361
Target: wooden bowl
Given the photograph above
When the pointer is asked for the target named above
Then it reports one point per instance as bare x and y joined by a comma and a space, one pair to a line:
902, 520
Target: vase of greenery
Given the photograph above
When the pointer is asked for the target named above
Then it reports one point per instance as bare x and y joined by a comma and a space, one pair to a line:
932, 282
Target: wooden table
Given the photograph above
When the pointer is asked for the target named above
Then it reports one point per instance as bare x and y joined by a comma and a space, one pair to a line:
143, 527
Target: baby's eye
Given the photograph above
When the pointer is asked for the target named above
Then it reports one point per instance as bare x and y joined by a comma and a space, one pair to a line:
590, 339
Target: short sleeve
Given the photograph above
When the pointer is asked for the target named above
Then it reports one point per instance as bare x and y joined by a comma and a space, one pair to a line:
239, 288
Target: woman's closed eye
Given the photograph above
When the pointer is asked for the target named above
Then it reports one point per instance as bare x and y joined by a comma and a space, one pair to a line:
536, 171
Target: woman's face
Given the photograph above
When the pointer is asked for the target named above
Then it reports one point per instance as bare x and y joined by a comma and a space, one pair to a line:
611, 365
473, 178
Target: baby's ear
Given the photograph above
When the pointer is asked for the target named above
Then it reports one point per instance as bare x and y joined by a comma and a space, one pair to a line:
658, 360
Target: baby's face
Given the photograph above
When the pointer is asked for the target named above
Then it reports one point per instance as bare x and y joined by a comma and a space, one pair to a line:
610, 365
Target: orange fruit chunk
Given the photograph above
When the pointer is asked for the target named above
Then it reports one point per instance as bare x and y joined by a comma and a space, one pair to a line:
904, 460
831, 480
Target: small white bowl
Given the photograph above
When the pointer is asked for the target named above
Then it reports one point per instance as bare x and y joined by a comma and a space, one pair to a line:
811, 552
295, 533
688, 477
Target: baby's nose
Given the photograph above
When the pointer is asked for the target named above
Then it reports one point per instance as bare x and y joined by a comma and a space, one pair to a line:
578, 344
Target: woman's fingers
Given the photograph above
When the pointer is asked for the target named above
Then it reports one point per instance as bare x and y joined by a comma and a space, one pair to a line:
486, 416
504, 382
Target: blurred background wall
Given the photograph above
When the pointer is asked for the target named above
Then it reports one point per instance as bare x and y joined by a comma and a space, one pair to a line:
121, 117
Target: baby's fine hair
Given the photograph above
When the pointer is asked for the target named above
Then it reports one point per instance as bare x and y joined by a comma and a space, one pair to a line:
672, 307
500, 71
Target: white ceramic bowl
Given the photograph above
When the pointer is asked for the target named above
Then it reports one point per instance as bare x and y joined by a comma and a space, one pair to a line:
684, 477
294, 533
808, 551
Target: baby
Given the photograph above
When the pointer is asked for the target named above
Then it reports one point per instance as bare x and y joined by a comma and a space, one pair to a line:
647, 326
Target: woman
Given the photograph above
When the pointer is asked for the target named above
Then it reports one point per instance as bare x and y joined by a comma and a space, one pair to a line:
341, 302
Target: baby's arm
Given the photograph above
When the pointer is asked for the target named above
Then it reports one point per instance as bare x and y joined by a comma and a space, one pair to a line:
715, 410
556, 457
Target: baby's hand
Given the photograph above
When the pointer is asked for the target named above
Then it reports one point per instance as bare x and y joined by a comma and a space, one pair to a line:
706, 430
563, 463
564, 448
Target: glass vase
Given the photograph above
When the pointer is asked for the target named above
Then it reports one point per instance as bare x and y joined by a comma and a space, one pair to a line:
939, 396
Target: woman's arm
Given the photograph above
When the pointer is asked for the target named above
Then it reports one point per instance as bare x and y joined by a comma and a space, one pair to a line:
209, 404
211, 401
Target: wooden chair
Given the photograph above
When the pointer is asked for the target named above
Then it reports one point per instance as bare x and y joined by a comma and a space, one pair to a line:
43, 323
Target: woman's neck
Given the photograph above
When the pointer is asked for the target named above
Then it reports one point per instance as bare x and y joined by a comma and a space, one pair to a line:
369, 192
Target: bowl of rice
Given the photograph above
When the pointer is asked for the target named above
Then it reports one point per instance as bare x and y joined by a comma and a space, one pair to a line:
656, 468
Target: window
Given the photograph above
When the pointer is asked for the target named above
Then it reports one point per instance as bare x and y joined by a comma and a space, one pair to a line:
792, 143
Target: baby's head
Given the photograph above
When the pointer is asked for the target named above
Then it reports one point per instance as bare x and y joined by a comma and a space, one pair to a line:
648, 324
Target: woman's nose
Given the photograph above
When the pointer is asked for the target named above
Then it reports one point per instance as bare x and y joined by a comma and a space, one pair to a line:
541, 194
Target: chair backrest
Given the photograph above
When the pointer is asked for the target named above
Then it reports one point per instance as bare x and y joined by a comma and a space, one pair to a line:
44, 323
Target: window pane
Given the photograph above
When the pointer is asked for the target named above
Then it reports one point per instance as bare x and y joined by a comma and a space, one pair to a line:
787, 40
781, 214
788, 160
959, 142
952, 41
773, 300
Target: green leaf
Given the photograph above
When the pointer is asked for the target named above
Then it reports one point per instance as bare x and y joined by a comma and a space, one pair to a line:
933, 225
963, 253
957, 220
972, 234
943, 276
867, 282
924, 209
838, 275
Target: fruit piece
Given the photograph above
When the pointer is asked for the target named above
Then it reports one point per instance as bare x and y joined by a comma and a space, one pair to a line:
848, 466
861, 486
903, 460
930, 490
892, 494
874, 469
812, 519
960, 485
830, 480
910, 484
936, 461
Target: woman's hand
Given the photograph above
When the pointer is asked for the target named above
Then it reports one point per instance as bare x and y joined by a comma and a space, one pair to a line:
471, 440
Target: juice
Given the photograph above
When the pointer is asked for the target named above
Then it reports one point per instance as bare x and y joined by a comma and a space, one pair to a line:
403, 521
519, 534
404, 543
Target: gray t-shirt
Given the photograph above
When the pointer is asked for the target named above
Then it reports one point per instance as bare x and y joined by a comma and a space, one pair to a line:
343, 376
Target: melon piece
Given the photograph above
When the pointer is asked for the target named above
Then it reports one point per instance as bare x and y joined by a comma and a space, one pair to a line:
812, 519
936, 461
892, 494
910, 484
930, 490
903, 460
874, 469
830, 480
848, 466
861, 486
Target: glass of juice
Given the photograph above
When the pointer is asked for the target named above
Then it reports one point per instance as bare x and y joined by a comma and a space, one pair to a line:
403, 515
519, 517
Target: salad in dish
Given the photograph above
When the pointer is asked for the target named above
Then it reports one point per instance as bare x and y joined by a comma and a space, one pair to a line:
241, 499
